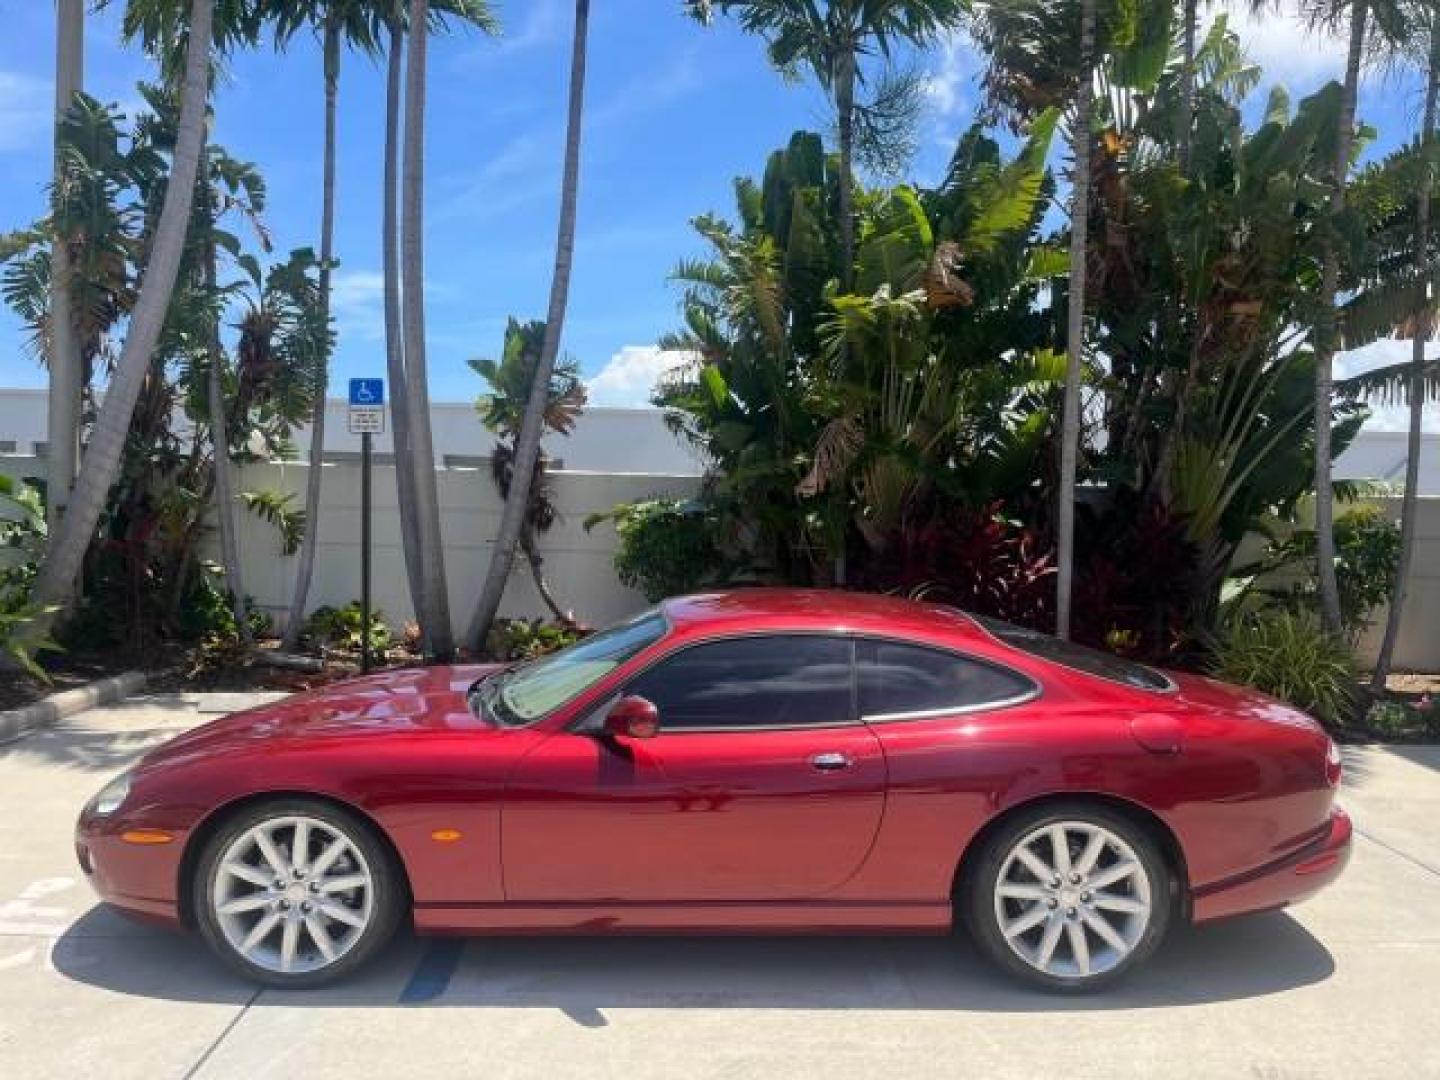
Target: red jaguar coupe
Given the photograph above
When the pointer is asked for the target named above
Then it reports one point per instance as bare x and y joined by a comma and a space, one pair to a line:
757, 761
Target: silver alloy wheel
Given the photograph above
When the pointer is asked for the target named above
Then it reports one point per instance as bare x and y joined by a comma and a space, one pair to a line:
1072, 899
293, 894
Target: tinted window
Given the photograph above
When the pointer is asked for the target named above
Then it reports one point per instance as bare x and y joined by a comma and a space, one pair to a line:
896, 678
752, 682
1067, 654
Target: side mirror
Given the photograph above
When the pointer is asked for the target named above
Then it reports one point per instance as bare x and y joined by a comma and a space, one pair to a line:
632, 718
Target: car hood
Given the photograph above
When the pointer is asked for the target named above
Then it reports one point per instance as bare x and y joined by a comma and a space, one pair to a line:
407, 701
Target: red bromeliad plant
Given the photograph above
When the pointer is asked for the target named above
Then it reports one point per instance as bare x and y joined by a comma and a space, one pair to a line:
1136, 580
980, 560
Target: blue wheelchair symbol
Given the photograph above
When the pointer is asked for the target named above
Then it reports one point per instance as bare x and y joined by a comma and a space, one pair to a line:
367, 391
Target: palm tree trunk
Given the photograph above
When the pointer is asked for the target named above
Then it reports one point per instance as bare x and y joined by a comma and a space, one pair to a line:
1326, 338
537, 574
63, 427
1075, 328
305, 569
101, 462
845, 119
394, 338
220, 456
1422, 331
436, 602
527, 444
1190, 16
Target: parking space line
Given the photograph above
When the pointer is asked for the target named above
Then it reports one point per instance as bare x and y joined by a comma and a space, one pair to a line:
209, 1050
1396, 851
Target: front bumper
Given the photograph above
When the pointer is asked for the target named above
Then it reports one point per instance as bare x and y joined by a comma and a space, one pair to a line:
1294, 878
138, 879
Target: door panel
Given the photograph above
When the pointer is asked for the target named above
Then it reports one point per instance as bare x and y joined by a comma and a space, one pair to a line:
701, 816
758, 787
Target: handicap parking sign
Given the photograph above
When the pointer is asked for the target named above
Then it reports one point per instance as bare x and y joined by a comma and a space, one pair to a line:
367, 391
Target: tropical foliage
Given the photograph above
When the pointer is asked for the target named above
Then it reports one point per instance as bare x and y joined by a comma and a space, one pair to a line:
1067, 380
903, 434
256, 328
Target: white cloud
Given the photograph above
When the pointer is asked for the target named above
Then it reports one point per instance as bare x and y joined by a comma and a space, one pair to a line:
629, 378
945, 85
357, 301
1283, 46
26, 110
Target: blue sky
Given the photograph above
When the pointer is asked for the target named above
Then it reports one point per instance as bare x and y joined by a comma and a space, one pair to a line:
675, 111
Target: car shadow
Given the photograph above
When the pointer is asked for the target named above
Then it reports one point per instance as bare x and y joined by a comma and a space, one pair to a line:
583, 977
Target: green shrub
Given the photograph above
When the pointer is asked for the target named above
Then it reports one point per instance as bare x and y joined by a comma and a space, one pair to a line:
1288, 655
667, 546
207, 616
22, 544
1367, 558
340, 628
525, 639
1390, 718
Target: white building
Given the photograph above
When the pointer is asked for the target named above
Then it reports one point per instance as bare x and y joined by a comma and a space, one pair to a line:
614, 441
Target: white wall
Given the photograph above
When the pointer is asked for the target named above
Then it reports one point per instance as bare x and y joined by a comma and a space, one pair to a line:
1418, 648
578, 564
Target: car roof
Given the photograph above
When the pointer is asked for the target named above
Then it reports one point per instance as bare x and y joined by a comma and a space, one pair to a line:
815, 609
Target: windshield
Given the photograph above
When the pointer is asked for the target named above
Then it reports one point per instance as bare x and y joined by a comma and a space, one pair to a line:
520, 695
1077, 657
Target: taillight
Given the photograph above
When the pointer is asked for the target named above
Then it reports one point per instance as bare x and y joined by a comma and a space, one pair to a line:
1333, 764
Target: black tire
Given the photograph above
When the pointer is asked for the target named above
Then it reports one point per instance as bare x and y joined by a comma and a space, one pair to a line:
978, 901
388, 902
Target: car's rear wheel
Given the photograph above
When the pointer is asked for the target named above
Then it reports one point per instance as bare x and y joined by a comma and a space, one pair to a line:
1070, 897
295, 893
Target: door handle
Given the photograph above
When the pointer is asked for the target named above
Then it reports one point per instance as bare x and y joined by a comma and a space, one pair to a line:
833, 761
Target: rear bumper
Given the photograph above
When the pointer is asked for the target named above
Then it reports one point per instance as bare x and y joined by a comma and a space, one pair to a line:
1288, 881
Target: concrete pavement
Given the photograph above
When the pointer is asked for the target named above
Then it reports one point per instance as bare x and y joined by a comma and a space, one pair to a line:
1345, 986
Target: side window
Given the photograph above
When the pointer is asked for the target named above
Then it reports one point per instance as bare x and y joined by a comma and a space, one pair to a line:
897, 679
791, 680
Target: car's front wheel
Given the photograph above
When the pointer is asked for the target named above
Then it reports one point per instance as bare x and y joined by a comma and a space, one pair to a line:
1070, 897
295, 893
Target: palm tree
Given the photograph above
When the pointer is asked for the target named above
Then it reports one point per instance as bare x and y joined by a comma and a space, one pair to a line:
1421, 331
503, 412
475, 13
527, 442
363, 25
433, 604
102, 455
831, 37
1329, 13
1075, 325
63, 428
339, 21
394, 342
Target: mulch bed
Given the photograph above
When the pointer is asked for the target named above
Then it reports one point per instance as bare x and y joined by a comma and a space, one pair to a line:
174, 669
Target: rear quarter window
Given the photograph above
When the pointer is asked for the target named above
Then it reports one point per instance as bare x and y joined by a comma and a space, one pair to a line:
1088, 661
895, 680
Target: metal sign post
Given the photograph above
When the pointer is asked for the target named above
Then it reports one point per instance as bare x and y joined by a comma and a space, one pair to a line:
367, 418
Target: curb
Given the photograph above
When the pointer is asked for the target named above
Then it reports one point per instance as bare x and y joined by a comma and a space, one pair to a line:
17, 722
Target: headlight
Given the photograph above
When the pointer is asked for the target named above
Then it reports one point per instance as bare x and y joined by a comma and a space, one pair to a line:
109, 798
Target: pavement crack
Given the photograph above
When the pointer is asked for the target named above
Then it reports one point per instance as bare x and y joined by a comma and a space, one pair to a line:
1396, 851
191, 1072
